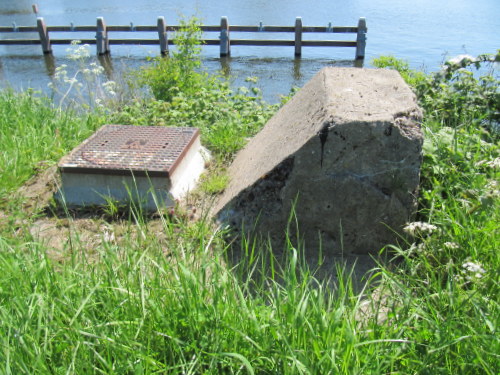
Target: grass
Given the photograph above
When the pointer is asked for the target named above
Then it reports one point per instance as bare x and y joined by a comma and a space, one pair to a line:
163, 296
146, 309
33, 135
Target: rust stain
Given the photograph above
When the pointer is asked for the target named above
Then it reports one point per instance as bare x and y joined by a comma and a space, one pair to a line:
125, 149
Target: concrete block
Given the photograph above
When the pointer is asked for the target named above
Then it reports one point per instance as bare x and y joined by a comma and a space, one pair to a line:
344, 154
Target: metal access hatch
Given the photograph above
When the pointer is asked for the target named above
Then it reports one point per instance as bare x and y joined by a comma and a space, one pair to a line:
154, 165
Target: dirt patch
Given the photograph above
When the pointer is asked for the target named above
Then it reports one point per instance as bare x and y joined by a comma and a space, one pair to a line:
61, 231
37, 192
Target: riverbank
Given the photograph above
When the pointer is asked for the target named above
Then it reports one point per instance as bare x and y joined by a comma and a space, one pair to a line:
115, 291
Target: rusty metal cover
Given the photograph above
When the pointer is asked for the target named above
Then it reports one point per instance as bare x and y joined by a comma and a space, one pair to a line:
127, 149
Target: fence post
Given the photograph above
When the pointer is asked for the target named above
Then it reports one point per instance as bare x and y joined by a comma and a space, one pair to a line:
361, 39
298, 36
44, 35
162, 35
102, 41
225, 42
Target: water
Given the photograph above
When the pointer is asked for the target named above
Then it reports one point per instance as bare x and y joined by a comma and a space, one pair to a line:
421, 31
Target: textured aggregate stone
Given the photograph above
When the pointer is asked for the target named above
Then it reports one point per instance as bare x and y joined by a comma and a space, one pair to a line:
343, 155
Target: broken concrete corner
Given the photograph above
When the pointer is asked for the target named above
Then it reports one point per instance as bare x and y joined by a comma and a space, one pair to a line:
344, 154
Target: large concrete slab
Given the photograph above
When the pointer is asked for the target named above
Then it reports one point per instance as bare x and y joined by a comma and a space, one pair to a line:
344, 153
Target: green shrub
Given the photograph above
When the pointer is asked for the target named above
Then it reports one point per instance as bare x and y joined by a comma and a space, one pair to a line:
180, 71
455, 95
226, 118
185, 95
447, 282
412, 77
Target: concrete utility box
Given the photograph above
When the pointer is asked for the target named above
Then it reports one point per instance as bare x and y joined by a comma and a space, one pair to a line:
151, 165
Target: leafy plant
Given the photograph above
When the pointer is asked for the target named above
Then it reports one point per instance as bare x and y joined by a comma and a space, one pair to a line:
412, 77
455, 95
214, 183
180, 72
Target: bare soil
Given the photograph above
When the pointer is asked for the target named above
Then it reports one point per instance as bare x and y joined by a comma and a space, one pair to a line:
59, 230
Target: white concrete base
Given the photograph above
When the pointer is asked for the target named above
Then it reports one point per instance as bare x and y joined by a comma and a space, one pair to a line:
80, 189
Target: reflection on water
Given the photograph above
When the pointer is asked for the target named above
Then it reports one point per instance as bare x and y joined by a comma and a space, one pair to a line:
50, 64
276, 76
107, 63
229, 66
14, 11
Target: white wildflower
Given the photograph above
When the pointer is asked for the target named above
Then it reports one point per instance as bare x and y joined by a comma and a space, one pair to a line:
109, 86
473, 270
451, 245
70, 81
109, 237
61, 74
492, 189
458, 59
419, 228
492, 185
416, 248
493, 164
96, 69
77, 51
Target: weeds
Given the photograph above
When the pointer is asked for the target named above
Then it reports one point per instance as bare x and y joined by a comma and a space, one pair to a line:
34, 135
87, 87
453, 273
171, 300
455, 96
185, 95
180, 72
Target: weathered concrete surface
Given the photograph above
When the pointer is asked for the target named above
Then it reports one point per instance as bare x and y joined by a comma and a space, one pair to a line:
345, 152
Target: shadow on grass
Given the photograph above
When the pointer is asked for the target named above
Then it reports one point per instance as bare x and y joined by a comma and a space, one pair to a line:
259, 258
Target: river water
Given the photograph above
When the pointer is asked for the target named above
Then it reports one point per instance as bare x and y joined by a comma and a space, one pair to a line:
424, 32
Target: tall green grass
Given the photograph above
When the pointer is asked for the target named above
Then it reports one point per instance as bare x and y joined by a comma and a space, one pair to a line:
177, 307
35, 134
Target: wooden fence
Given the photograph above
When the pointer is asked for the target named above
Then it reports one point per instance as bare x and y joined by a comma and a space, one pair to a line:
103, 41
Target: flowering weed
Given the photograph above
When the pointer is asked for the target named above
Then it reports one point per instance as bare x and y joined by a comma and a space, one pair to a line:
86, 86
452, 267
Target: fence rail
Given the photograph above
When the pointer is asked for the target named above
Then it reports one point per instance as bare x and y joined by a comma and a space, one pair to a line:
103, 41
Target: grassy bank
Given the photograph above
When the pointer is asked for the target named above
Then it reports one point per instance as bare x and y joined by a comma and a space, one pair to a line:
160, 296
